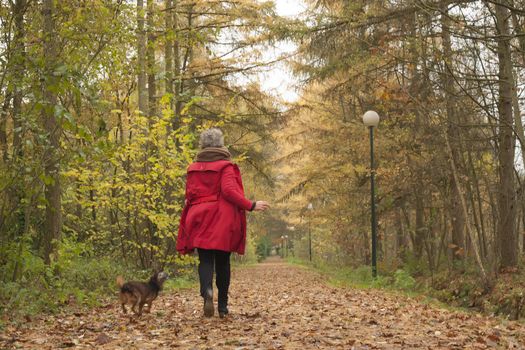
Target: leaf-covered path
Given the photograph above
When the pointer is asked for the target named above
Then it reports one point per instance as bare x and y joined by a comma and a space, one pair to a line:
274, 306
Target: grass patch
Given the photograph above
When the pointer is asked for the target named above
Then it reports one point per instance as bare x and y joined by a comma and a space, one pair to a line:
185, 282
360, 277
458, 291
398, 282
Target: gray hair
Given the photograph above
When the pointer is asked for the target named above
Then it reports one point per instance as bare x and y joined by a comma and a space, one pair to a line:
212, 137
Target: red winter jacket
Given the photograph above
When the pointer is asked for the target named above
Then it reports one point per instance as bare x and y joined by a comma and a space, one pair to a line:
214, 216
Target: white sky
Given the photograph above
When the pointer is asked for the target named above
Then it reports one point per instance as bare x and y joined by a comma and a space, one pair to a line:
275, 79
278, 79
289, 8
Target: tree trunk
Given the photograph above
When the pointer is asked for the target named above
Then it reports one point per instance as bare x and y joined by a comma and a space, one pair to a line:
3, 127
523, 222
183, 86
420, 229
141, 58
477, 206
415, 88
19, 55
506, 238
52, 226
150, 61
477, 256
400, 236
176, 70
519, 129
455, 210
19, 63
168, 49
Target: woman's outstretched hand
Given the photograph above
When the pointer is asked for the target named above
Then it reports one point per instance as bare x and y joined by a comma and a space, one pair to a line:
261, 206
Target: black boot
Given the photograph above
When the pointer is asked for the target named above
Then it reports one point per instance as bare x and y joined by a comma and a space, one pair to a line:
223, 311
223, 307
208, 303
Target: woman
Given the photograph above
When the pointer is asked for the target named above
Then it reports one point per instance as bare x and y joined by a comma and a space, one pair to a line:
214, 217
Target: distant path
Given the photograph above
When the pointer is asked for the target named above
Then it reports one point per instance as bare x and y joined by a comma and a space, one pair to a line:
275, 306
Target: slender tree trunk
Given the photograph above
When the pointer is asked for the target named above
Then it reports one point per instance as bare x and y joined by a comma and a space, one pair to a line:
477, 206
52, 227
420, 229
182, 86
141, 58
401, 241
168, 48
150, 60
176, 69
477, 255
518, 122
523, 222
507, 238
520, 32
19, 64
415, 87
19, 56
456, 212
3, 127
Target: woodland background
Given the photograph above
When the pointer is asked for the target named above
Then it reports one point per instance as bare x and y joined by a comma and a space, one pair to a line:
101, 103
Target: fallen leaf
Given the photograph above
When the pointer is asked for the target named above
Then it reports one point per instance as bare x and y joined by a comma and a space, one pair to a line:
102, 339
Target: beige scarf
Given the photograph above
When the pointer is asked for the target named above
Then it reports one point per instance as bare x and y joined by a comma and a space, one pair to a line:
212, 154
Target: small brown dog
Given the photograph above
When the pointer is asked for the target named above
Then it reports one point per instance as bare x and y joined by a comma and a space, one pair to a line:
140, 293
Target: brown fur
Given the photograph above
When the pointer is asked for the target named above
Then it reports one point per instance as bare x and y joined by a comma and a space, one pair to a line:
140, 293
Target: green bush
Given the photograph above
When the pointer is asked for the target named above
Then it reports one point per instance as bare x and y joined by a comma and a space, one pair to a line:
250, 255
403, 280
76, 277
413, 265
362, 274
263, 248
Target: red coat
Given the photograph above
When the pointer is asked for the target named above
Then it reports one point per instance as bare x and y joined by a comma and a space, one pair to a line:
214, 216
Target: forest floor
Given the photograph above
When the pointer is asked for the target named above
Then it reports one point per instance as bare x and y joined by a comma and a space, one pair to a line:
273, 305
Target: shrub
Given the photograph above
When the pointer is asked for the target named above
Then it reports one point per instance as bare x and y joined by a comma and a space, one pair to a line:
77, 277
403, 280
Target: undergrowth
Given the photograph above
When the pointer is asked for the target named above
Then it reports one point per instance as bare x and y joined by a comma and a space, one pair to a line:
456, 288
78, 278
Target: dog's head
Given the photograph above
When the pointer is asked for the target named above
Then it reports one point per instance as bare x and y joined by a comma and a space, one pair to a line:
159, 278
162, 276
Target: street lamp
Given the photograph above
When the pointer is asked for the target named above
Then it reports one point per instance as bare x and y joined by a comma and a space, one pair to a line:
371, 120
291, 229
310, 207
284, 245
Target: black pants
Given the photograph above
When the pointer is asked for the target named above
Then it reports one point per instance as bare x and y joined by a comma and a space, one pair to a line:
221, 260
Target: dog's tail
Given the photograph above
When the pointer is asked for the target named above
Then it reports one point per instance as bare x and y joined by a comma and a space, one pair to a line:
120, 281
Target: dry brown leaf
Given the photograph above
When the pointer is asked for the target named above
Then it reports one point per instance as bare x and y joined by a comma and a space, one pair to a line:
312, 316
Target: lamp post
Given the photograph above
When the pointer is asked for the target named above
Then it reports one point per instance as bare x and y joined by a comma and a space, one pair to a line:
285, 246
310, 207
371, 120
282, 247
291, 229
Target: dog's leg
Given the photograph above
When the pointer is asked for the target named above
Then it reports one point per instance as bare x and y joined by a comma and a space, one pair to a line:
138, 300
141, 305
124, 308
148, 310
134, 306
